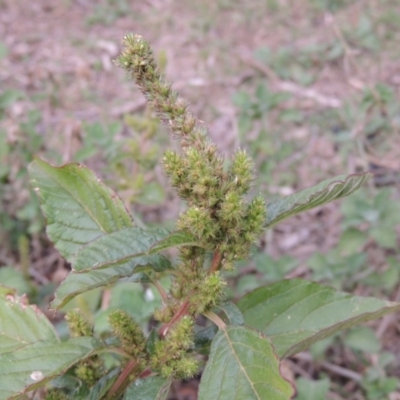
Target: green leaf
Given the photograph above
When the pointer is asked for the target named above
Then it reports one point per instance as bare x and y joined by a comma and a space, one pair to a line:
76, 283
362, 338
78, 206
5, 291
153, 388
242, 365
30, 367
14, 278
232, 312
3, 50
88, 302
68, 382
312, 390
203, 338
152, 194
21, 324
151, 341
175, 239
103, 385
324, 192
297, 313
8, 97
117, 248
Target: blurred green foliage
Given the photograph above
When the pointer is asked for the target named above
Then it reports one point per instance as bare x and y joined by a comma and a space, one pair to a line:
106, 12
126, 153
369, 120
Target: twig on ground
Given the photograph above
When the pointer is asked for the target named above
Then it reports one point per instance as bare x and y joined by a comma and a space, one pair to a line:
128, 108
291, 87
336, 369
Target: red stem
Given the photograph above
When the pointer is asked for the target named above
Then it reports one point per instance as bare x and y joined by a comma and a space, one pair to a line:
216, 261
122, 380
182, 311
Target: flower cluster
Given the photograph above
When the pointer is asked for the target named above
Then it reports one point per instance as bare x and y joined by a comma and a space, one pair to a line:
128, 332
91, 369
138, 60
170, 356
205, 289
218, 214
55, 394
207, 292
78, 325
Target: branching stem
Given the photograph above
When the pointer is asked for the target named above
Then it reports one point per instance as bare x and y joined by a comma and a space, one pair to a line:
182, 311
216, 261
214, 318
123, 381
161, 290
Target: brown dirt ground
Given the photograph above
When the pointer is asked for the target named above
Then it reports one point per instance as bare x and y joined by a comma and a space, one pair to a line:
54, 51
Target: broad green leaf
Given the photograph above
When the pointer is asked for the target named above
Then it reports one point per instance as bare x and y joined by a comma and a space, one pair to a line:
76, 283
21, 324
324, 192
14, 278
77, 205
120, 247
5, 291
153, 388
103, 385
242, 365
232, 312
30, 367
296, 313
175, 239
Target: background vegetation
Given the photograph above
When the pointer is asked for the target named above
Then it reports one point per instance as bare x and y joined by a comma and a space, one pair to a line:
311, 92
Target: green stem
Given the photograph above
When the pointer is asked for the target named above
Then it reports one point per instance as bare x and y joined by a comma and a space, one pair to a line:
214, 318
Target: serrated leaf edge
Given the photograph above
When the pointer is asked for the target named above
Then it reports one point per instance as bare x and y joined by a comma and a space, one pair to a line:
313, 196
